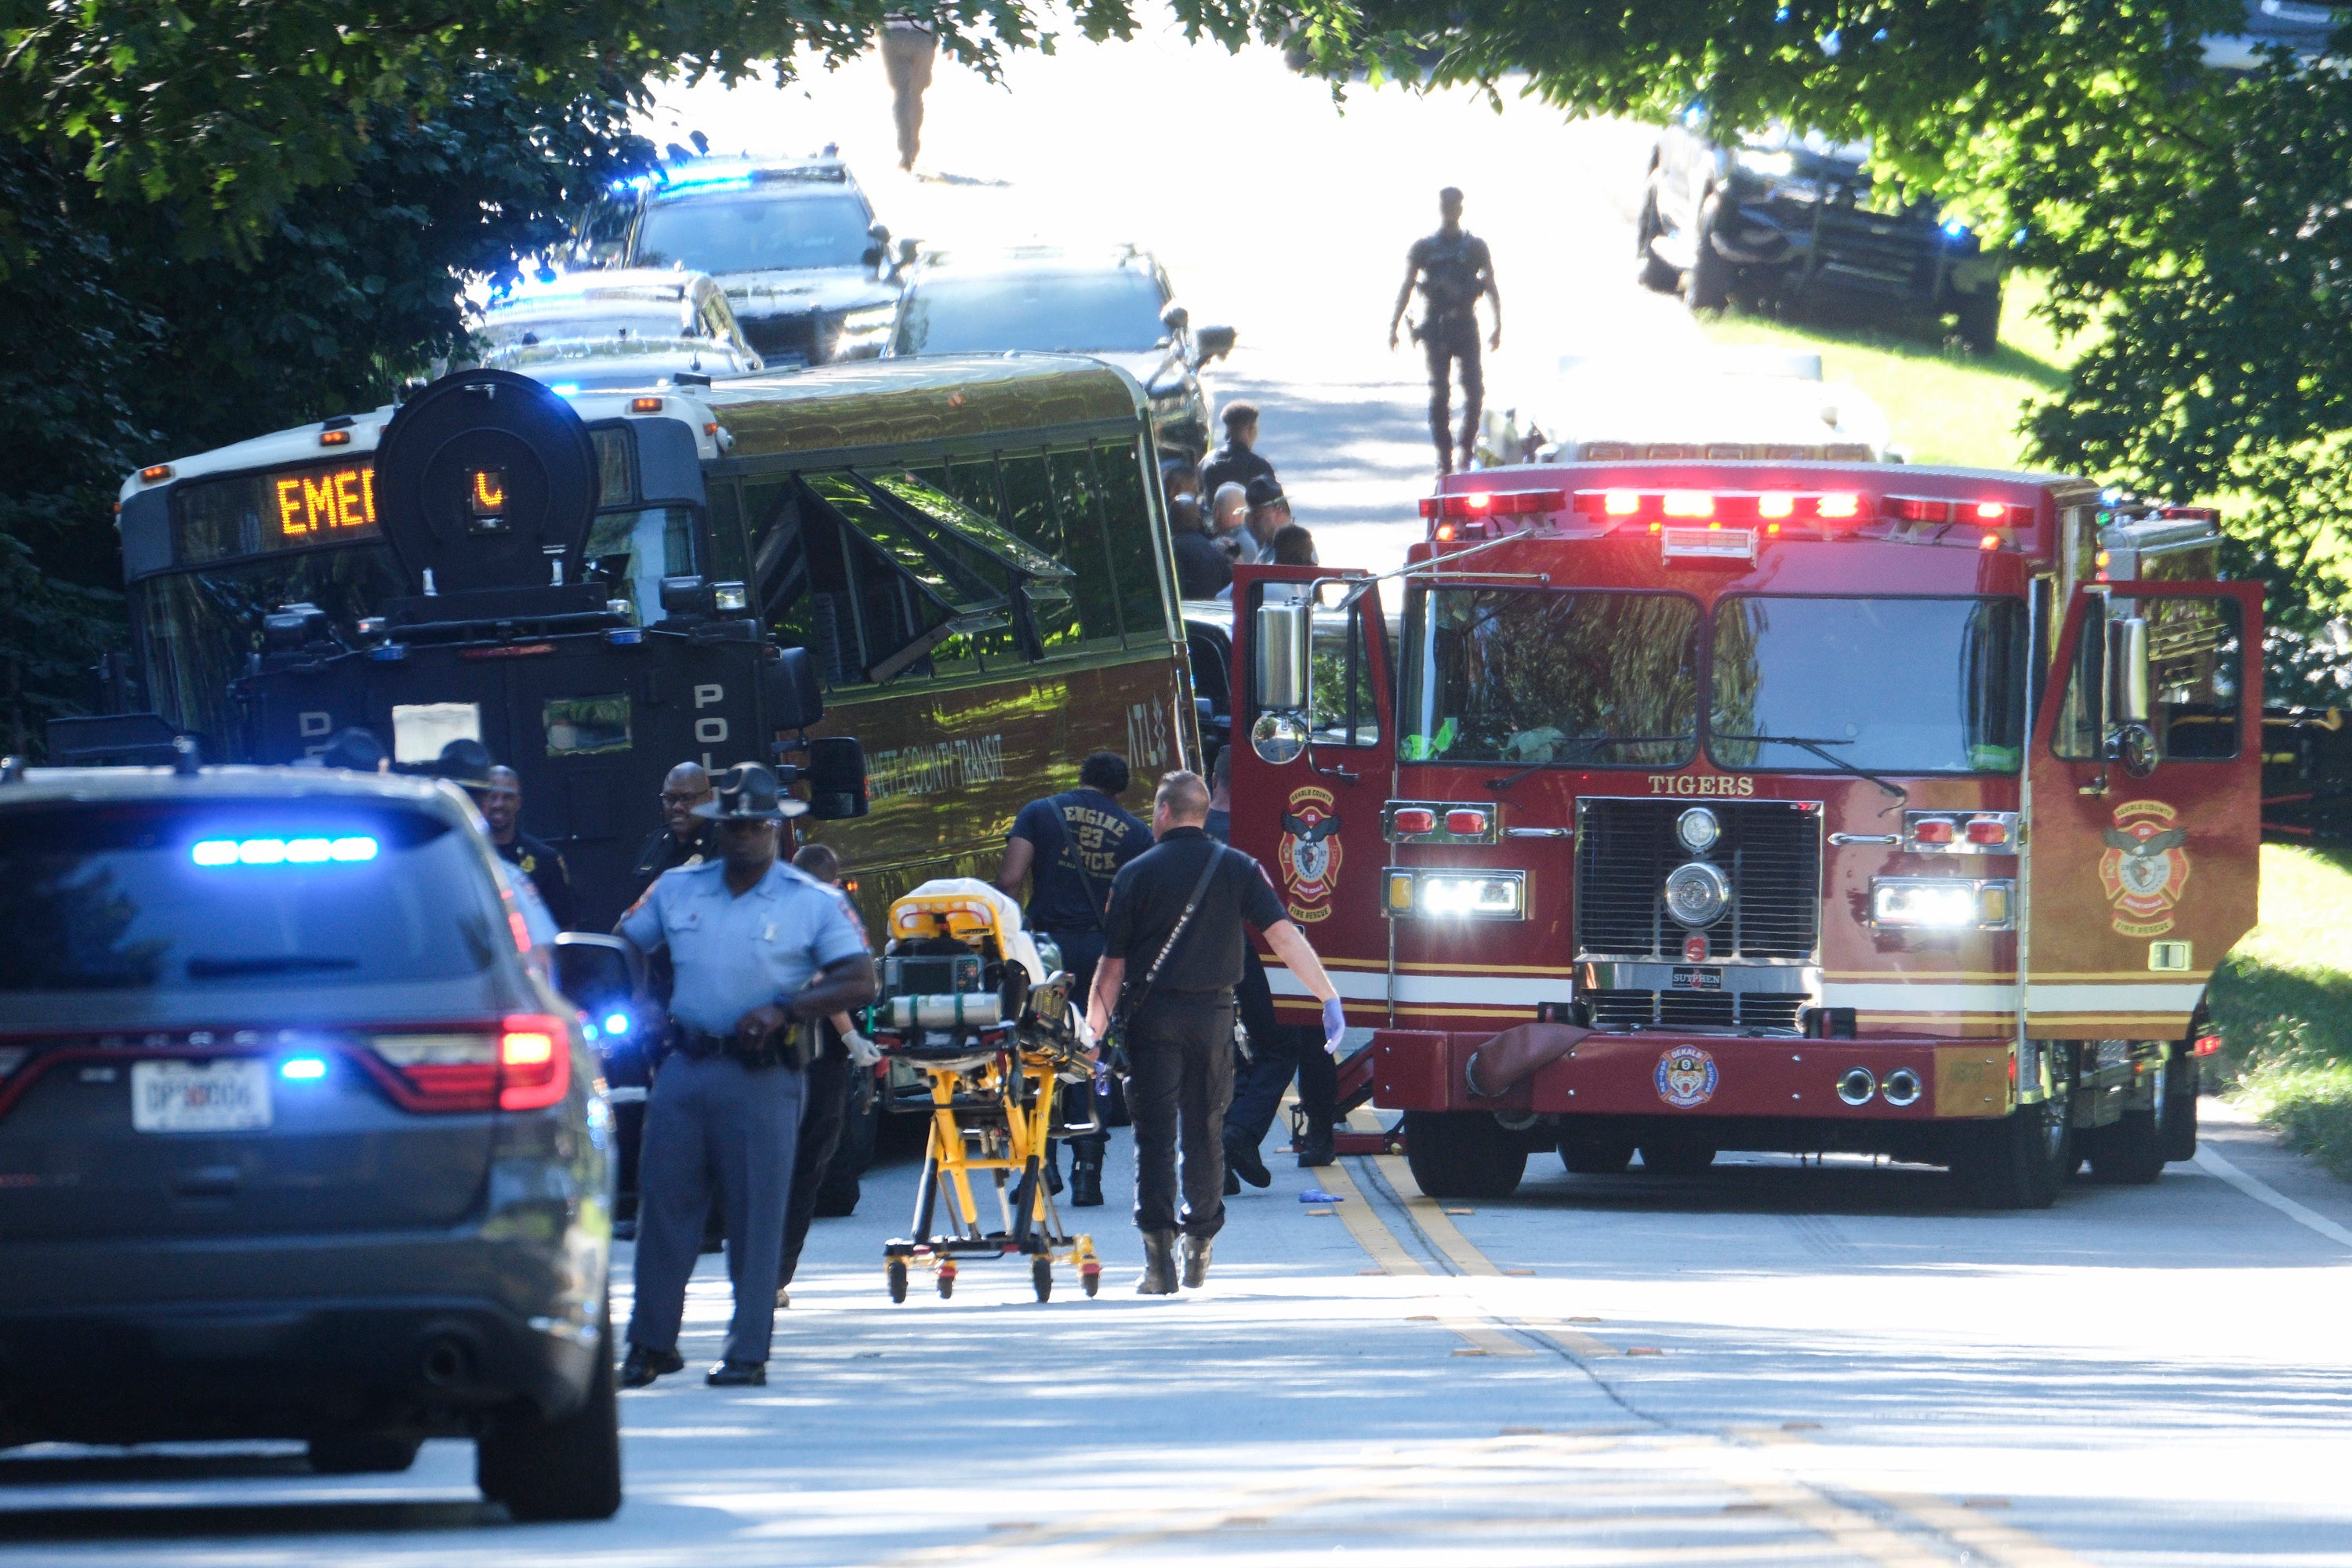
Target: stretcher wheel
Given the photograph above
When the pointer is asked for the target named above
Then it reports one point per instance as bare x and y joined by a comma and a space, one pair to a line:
1090, 1277
896, 1270
947, 1280
1040, 1275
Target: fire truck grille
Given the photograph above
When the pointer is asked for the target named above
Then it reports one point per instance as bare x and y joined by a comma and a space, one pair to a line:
1716, 1010
1771, 850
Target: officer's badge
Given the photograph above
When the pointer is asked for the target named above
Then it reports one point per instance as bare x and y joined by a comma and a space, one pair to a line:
1310, 854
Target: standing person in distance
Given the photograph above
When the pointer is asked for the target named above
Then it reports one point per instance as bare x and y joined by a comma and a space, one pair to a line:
684, 839
842, 1054
1203, 570
1236, 462
1068, 846
760, 951
1172, 952
1269, 514
498, 795
1454, 272
910, 46
1229, 521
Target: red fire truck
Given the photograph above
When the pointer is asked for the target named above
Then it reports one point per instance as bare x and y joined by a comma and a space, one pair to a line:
1697, 806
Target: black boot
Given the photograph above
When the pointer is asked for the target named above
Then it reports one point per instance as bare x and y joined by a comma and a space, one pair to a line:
1243, 1160
1159, 1264
1196, 1261
1316, 1148
1086, 1181
643, 1365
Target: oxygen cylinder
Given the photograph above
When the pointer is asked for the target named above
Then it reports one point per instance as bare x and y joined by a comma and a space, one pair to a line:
974, 1010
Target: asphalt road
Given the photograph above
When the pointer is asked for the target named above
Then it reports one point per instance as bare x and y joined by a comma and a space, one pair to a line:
1773, 1362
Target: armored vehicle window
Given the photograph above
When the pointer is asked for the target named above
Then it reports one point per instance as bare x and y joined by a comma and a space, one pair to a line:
634, 551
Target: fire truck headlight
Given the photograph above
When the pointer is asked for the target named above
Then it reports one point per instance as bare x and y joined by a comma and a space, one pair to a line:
1942, 903
1458, 895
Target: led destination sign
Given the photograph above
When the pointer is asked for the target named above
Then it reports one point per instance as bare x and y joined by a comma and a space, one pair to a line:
283, 509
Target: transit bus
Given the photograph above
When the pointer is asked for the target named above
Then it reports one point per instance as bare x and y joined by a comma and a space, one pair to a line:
971, 552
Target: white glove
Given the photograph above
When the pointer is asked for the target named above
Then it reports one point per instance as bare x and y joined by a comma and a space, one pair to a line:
862, 1052
1334, 1025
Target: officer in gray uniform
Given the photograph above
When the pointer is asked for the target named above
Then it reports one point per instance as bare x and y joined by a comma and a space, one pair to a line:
761, 952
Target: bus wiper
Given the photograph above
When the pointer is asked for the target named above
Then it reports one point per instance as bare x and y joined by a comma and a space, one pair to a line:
1504, 784
1818, 747
293, 963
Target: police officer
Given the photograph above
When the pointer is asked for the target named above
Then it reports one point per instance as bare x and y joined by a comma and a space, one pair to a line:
684, 839
757, 946
1455, 270
1172, 946
1070, 847
498, 795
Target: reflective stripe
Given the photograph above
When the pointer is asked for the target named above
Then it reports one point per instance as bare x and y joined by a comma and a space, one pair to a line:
2130, 996
1921, 998
1461, 990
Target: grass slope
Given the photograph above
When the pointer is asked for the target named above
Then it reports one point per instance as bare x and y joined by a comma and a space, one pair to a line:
1947, 405
2283, 1000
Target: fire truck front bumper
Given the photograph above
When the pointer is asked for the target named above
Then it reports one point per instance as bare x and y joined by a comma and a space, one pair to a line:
1655, 1073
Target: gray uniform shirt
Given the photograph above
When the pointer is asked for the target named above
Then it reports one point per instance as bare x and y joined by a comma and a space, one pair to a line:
733, 953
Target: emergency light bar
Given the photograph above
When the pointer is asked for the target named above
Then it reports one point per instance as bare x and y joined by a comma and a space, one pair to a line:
1493, 503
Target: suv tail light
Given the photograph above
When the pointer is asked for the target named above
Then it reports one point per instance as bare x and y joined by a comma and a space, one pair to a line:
523, 1063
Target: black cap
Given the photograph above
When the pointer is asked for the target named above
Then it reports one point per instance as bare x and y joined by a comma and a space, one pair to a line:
1265, 490
355, 748
748, 793
466, 763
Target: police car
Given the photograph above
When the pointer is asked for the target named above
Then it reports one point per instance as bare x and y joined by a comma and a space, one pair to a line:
296, 1140
633, 327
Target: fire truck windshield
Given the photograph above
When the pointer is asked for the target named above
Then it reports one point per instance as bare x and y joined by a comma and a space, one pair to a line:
1530, 677
1898, 686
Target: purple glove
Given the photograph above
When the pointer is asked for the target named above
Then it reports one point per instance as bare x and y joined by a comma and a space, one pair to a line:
1334, 1025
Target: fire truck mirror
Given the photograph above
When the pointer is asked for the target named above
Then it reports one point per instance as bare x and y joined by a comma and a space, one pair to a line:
836, 778
795, 700
2127, 684
1284, 675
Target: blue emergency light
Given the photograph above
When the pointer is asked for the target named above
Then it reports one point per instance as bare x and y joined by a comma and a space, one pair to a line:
308, 851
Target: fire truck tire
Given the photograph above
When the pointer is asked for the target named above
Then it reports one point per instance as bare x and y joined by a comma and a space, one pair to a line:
1707, 285
1595, 1156
2019, 1161
1677, 1158
2130, 1152
1463, 1154
2176, 1113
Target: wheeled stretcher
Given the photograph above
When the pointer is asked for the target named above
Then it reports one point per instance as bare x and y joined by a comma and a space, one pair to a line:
966, 999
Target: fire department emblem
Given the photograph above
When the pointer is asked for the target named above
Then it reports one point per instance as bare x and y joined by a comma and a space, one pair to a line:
1686, 1076
1310, 854
2145, 867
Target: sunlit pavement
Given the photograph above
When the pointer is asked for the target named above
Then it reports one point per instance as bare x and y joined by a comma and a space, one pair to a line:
1774, 1362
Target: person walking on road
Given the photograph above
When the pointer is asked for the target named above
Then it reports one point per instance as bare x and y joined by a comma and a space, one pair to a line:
684, 839
1237, 462
760, 951
1068, 846
1453, 271
1173, 942
910, 46
831, 1088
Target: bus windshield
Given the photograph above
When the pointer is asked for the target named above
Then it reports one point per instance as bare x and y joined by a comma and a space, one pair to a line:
1529, 676
754, 231
1897, 686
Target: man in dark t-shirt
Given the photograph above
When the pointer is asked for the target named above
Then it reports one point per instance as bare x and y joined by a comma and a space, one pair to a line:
1453, 271
1237, 462
1180, 1025
1068, 847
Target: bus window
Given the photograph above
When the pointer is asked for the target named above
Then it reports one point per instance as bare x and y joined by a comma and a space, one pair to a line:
1127, 513
615, 486
973, 481
1076, 503
1029, 512
636, 549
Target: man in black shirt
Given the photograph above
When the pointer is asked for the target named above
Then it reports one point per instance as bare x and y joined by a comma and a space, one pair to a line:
684, 839
1455, 270
1201, 568
501, 806
1236, 462
1178, 975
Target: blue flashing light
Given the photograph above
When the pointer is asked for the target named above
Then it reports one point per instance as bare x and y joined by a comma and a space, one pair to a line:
317, 851
389, 653
616, 1023
1955, 228
302, 1069
707, 180
624, 637
565, 388
591, 1033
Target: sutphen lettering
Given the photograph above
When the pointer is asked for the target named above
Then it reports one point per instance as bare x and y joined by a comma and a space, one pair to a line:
1701, 783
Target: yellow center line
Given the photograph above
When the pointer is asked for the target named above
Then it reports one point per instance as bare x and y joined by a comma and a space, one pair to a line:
1385, 1249
1993, 1540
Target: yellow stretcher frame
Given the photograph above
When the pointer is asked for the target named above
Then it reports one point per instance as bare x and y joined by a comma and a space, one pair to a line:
1003, 1103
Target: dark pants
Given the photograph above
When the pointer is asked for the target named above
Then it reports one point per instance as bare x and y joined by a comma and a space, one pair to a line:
1081, 951
906, 56
1179, 1052
1257, 1095
824, 1112
710, 1126
1446, 341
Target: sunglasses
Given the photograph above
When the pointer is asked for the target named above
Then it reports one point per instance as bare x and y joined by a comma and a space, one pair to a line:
673, 798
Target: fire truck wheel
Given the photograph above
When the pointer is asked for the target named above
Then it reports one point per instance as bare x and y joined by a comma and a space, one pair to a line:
1595, 1156
1463, 1154
1707, 285
2175, 1107
2130, 1152
1655, 275
2019, 1161
1677, 1158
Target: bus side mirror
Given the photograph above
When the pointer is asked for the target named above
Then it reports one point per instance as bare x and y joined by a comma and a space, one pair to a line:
1284, 674
795, 700
836, 778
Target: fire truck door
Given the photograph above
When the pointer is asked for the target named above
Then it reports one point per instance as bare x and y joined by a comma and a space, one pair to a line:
2143, 805
1309, 779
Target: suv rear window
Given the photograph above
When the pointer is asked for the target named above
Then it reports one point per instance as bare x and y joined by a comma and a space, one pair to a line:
187, 896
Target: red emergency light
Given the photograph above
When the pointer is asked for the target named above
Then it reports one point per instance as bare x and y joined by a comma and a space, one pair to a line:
1943, 509
1414, 819
1466, 822
1720, 506
1493, 503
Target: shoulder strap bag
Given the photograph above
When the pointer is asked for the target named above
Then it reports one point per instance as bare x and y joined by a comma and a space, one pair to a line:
1131, 996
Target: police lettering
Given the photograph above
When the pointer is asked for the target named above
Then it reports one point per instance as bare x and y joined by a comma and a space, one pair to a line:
1701, 783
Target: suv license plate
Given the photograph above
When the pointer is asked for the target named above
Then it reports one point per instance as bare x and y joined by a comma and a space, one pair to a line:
199, 1097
